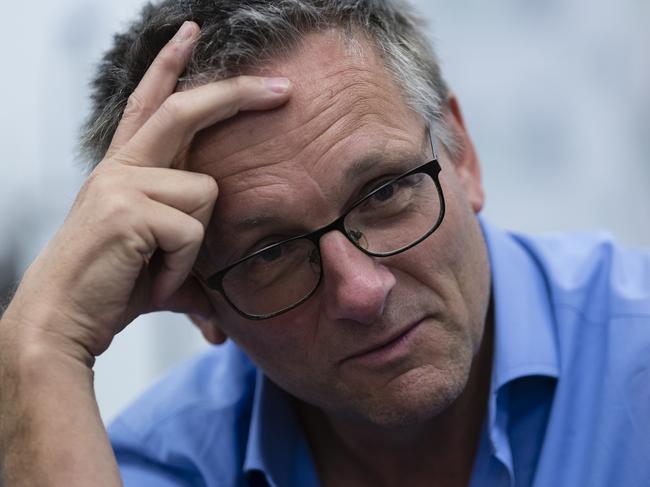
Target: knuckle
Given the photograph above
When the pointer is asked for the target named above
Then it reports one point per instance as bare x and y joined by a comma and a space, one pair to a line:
211, 188
110, 177
249, 85
118, 206
135, 106
240, 86
237, 83
241, 90
168, 59
195, 232
101, 182
172, 108
113, 202
230, 103
92, 180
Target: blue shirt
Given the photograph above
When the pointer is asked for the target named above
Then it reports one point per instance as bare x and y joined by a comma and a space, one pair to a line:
569, 400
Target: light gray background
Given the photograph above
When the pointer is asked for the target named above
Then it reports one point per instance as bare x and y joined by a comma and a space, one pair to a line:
556, 95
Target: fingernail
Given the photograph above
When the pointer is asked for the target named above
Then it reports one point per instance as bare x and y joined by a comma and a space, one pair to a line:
185, 32
277, 85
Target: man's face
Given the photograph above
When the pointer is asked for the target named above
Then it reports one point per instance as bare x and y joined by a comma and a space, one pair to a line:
282, 173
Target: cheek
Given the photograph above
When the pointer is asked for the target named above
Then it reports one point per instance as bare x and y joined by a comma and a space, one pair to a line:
466, 252
439, 261
454, 263
460, 239
282, 347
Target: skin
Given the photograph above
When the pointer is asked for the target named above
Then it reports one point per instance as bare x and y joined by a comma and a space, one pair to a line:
126, 248
289, 165
134, 232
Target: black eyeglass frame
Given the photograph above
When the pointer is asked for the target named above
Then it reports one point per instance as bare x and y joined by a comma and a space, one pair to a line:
431, 168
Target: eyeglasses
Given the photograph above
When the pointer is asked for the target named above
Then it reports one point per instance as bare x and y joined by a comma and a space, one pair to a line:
392, 218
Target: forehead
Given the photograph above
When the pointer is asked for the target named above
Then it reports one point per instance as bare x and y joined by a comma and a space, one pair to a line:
344, 107
342, 95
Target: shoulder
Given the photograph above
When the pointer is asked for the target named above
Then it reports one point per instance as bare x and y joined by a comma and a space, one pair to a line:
599, 292
198, 413
592, 273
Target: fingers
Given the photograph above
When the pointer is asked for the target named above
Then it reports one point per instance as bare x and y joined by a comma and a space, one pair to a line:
190, 192
179, 236
157, 84
171, 128
189, 299
158, 124
156, 129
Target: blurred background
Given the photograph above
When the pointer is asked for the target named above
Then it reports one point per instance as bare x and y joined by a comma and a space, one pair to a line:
556, 95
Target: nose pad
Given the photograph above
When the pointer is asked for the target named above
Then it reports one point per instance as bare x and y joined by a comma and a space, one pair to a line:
356, 286
314, 257
359, 238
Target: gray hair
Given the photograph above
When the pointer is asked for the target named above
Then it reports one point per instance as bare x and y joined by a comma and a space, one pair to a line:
239, 35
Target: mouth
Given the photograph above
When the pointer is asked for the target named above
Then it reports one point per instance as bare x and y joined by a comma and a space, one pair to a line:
395, 347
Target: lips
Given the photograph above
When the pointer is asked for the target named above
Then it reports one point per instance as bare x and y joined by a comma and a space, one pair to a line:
385, 343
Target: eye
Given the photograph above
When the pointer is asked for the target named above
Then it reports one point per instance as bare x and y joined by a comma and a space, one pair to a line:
385, 193
267, 255
271, 254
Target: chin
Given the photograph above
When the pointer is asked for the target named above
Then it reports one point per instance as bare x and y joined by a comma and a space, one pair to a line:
414, 398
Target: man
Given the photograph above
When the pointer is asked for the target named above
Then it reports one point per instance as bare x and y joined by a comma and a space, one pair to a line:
308, 191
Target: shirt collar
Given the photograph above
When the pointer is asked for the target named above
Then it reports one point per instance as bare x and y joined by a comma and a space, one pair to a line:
276, 445
525, 343
524, 340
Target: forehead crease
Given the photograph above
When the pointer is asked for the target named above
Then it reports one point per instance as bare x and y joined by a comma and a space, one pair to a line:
274, 190
351, 84
334, 114
324, 91
324, 117
330, 101
309, 123
245, 207
260, 183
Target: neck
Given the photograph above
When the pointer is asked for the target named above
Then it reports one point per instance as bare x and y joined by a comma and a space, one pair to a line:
347, 453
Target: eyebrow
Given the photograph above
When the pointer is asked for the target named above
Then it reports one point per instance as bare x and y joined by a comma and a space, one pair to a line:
360, 166
258, 221
351, 172
365, 163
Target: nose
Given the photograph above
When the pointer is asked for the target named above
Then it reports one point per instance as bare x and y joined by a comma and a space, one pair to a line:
356, 286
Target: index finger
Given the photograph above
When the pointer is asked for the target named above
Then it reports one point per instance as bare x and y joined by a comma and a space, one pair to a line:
169, 131
158, 82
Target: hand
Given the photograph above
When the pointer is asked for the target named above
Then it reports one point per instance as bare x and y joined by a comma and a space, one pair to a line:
126, 248
134, 231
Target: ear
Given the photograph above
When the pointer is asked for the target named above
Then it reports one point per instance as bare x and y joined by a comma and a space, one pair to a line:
465, 159
209, 328
192, 300
205, 316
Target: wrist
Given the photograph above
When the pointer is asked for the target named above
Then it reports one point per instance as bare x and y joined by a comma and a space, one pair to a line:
48, 415
35, 338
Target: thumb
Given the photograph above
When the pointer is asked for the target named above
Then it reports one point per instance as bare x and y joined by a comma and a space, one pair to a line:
189, 298
192, 300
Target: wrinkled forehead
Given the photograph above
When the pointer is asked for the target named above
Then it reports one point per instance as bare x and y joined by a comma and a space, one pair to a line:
343, 102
